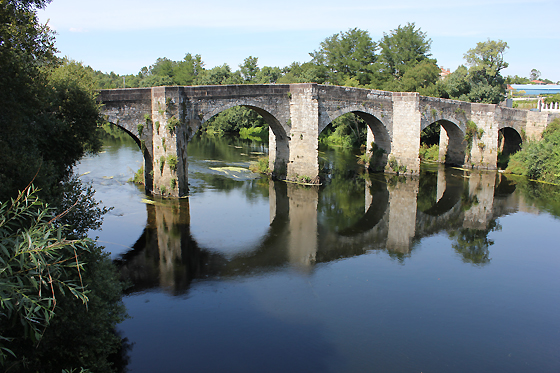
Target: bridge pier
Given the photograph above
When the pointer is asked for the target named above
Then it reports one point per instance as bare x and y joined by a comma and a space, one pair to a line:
406, 130
304, 132
169, 143
484, 149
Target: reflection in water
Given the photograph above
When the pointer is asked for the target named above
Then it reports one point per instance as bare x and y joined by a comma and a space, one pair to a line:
399, 212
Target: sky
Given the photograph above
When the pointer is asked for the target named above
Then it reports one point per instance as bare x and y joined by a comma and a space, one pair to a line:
125, 35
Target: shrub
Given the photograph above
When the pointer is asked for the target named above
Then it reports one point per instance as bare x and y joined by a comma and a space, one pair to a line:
539, 160
429, 153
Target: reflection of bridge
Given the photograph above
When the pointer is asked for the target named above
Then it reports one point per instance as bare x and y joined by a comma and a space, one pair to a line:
167, 255
163, 119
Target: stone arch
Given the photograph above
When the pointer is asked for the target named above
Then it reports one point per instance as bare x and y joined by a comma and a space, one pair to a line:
129, 129
377, 129
452, 147
278, 144
509, 141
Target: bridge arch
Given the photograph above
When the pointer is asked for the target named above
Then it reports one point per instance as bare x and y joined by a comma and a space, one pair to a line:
127, 127
278, 144
375, 125
452, 145
509, 143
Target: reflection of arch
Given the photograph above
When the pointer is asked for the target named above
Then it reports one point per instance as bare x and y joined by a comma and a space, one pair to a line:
509, 140
148, 162
374, 213
452, 195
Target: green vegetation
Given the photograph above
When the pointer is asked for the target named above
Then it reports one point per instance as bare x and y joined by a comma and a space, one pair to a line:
429, 153
539, 160
172, 162
56, 286
138, 177
172, 124
254, 133
161, 163
482, 81
261, 166
346, 131
394, 166
472, 133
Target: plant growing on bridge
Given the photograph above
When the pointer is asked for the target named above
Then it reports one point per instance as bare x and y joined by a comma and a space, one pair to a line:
161, 163
172, 124
163, 144
157, 126
395, 166
472, 132
173, 183
172, 162
140, 128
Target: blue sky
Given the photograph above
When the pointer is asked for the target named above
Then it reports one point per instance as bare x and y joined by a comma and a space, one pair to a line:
125, 35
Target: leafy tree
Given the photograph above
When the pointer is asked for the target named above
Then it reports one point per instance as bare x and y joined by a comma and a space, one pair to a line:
48, 114
219, 75
268, 75
482, 82
36, 261
347, 55
535, 74
308, 72
402, 49
249, 69
185, 72
420, 78
48, 120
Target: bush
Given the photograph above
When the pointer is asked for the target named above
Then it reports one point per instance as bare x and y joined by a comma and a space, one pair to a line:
539, 160
429, 153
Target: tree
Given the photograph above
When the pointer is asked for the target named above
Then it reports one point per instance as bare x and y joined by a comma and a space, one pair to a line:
535, 74
419, 78
347, 55
48, 120
482, 82
48, 113
185, 72
249, 69
402, 49
268, 75
219, 75
486, 61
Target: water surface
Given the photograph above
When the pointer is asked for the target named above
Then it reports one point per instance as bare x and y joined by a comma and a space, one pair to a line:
450, 272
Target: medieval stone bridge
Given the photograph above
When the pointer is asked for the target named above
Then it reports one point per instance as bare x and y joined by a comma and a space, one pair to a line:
163, 119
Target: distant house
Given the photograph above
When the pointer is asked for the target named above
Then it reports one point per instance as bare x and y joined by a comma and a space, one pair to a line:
444, 72
535, 89
538, 82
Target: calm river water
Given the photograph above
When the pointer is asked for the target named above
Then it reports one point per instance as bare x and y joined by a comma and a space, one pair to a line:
451, 272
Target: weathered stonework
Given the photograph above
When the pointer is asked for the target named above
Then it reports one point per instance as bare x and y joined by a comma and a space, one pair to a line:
162, 120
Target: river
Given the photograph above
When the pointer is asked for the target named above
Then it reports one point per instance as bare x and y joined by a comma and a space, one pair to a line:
454, 271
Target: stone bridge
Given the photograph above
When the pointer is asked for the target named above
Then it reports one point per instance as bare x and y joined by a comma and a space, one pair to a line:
163, 119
